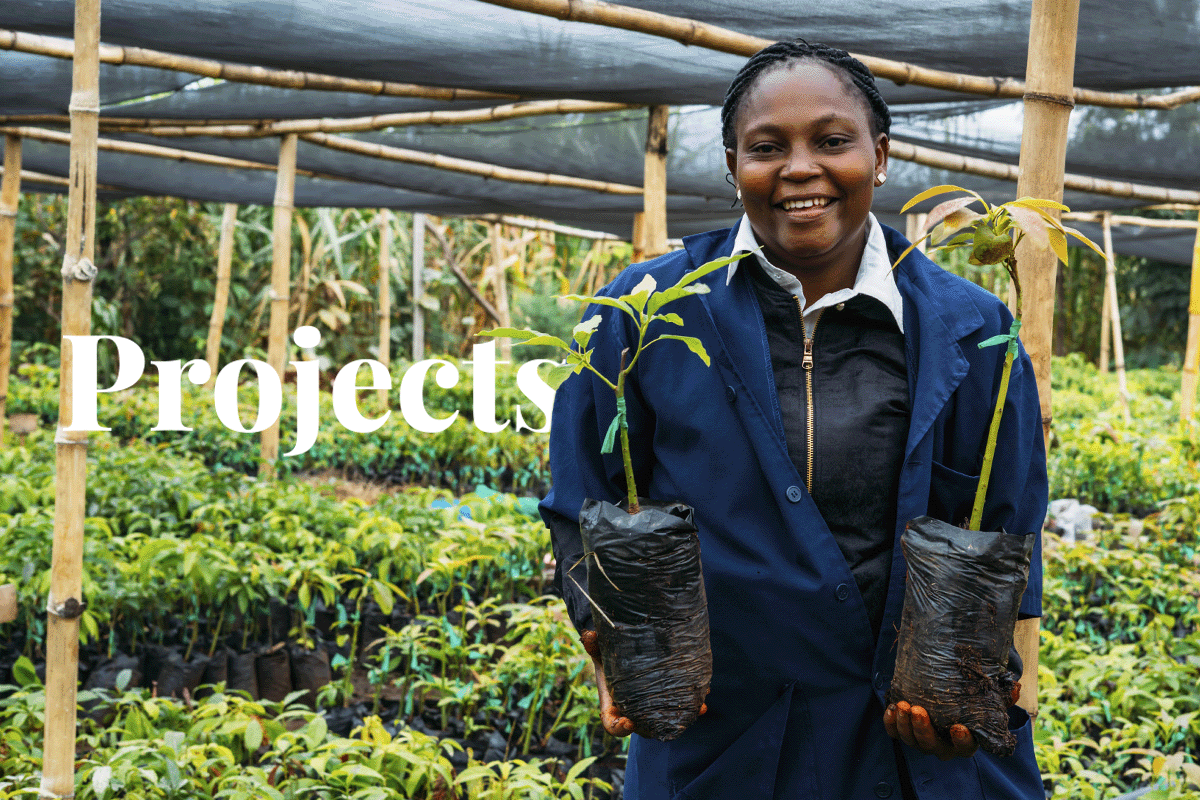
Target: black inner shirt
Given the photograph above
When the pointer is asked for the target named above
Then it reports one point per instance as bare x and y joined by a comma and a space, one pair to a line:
860, 421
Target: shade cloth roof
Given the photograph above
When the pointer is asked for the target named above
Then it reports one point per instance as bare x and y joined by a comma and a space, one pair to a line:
1143, 44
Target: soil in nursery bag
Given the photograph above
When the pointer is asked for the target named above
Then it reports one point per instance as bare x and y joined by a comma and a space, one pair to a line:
216, 671
104, 676
274, 673
176, 675
650, 612
243, 674
960, 606
310, 671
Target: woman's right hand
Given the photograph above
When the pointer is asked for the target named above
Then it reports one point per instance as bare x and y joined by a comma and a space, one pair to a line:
610, 715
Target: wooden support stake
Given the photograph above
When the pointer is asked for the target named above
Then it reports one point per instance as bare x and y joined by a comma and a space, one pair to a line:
65, 601
418, 286
385, 295
498, 277
10, 198
1114, 313
638, 237
1048, 101
216, 323
281, 263
1105, 322
8, 602
1191, 358
654, 196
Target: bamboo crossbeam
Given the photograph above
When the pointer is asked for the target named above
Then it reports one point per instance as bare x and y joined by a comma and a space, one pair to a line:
1138, 222
216, 323
247, 130
64, 605
713, 37
10, 197
465, 166
281, 264
56, 47
928, 156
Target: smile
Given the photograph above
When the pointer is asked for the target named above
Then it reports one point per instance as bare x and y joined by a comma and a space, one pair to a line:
811, 202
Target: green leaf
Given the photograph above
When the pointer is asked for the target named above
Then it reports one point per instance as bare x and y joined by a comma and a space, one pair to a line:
560, 373
935, 191
24, 673
674, 319
253, 735
637, 298
174, 779
1032, 223
601, 300
429, 303
174, 740
578, 769
1086, 241
123, 679
1036, 202
692, 342
525, 336
1058, 243
582, 332
943, 210
660, 299
101, 779
383, 596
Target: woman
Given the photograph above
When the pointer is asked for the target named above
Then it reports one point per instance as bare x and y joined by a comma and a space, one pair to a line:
844, 399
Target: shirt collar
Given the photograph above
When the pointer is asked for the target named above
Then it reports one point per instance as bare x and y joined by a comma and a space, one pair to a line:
875, 277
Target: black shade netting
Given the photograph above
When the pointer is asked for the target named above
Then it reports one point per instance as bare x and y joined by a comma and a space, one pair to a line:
647, 588
963, 592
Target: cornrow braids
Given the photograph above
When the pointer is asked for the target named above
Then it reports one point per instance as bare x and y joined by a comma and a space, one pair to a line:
849, 69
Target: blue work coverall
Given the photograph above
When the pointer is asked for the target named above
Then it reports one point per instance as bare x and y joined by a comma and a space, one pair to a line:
795, 709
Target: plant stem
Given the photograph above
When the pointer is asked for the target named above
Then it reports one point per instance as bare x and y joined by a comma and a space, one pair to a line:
630, 486
985, 472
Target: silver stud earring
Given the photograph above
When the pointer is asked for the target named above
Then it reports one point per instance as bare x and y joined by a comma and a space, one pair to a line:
882, 178
739, 194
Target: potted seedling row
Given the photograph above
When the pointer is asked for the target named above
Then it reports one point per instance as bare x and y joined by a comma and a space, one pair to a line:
964, 585
645, 580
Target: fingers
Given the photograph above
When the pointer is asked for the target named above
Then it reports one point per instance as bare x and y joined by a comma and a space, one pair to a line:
1015, 695
911, 725
614, 723
588, 639
610, 716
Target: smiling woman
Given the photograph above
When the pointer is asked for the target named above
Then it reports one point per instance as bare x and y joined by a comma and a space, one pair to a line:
844, 398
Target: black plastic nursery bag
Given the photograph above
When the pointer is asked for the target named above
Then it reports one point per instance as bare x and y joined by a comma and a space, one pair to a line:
963, 591
651, 615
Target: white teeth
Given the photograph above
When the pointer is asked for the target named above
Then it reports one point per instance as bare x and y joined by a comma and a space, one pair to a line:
814, 202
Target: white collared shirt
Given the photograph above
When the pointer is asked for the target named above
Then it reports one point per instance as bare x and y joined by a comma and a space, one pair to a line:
875, 277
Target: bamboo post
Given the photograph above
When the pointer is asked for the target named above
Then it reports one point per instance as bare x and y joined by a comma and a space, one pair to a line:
1114, 313
418, 286
914, 226
654, 183
496, 275
281, 249
221, 295
385, 295
8, 602
1049, 72
10, 198
1191, 358
1105, 322
638, 236
65, 602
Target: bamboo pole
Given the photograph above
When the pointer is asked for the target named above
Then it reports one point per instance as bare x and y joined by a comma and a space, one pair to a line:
713, 37
418, 286
240, 73
654, 181
1105, 323
1191, 358
65, 602
262, 128
466, 166
1114, 314
928, 156
1131, 221
10, 198
638, 236
1048, 102
221, 295
8, 602
497, 276
281, 262
385, 295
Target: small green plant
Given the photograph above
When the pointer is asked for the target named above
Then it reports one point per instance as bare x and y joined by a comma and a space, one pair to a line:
644, 305
993, 236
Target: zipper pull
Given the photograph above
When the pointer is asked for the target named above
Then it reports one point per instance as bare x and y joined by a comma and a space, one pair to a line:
807, 363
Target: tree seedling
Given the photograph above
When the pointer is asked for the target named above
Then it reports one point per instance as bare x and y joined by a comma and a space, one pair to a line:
992, 236
644, 305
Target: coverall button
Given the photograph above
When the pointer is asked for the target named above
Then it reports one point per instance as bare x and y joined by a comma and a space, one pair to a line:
883, 789
841, 306
841, 593
730, 393
794, 494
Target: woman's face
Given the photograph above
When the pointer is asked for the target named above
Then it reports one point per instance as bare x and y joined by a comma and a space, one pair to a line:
806, 164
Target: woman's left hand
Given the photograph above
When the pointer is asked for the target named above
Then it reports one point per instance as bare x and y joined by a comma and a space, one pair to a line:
911, 725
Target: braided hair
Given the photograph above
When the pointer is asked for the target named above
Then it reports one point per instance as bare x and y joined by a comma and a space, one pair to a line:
848, 68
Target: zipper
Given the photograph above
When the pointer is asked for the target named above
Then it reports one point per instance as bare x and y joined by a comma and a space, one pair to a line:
807, 364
